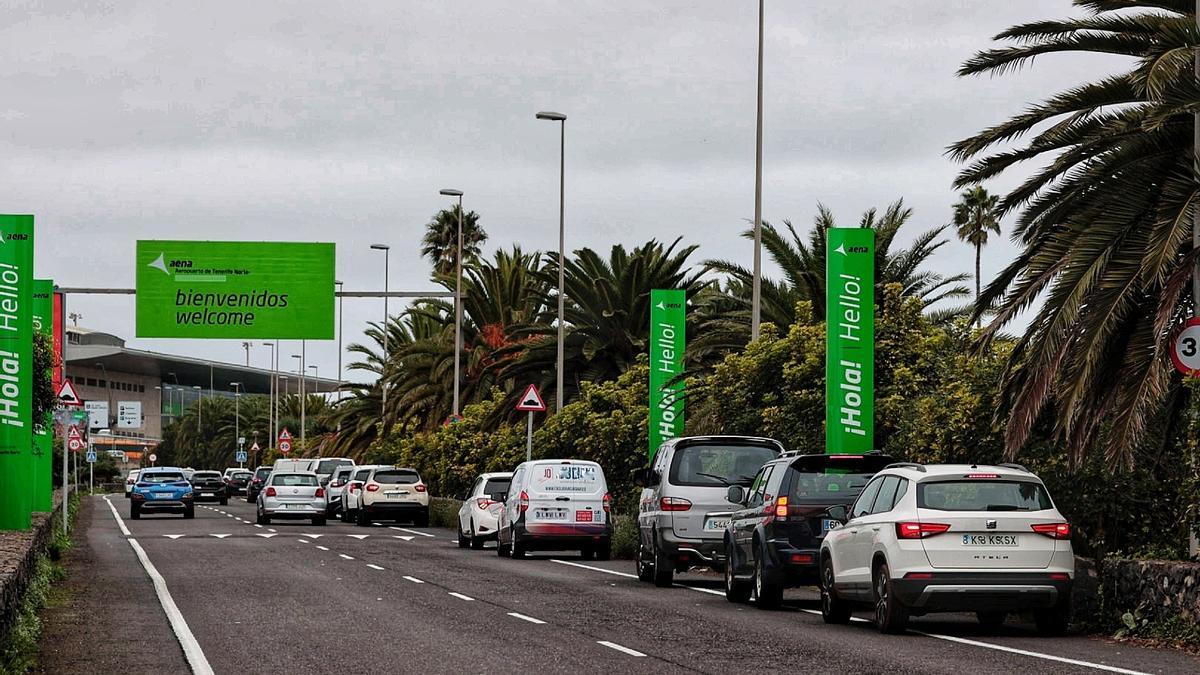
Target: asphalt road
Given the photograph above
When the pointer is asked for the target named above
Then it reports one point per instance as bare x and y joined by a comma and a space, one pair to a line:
347, 599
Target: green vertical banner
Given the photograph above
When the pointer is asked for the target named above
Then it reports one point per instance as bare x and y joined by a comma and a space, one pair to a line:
668, 315
43, 430
850, 340
16, 371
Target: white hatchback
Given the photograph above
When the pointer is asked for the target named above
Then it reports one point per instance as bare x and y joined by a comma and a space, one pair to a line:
478, 517
949, 538
292, 495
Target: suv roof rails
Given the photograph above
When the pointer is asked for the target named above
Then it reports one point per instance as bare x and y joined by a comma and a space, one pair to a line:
906, 465
1013, 465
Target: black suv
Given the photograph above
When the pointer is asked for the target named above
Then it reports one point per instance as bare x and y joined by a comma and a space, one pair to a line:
774, 541
255, 485
207, 486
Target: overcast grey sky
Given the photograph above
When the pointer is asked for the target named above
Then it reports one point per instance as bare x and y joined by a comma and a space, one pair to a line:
339, 121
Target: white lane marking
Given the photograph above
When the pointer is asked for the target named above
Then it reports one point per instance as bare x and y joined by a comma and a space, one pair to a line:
191, 649
219, 536
257, 525
401, 529
120, 523
613, 645
414, 580
302, 541
323, 548
710, 591
314, 536
400, 536
358, 536
594, 569
264, 536
374, 567
460, 596
523, 617
173, 536
270, 530
347, 557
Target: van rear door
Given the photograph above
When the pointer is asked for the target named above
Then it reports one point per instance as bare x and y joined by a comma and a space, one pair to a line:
565, 495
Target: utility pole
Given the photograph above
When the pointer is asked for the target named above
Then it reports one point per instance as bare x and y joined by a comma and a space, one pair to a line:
756, 292
1193, 543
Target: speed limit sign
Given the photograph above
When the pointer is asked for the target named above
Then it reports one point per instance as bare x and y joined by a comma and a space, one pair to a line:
1185, 351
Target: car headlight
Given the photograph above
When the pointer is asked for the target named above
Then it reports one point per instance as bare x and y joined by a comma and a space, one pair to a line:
187, 495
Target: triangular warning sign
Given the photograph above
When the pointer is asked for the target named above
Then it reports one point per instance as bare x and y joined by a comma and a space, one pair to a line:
531, 400
73, 434
254, 448
285, 435
66, 394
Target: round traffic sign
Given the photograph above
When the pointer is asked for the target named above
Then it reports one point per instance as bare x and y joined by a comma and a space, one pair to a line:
1185, 350
285, 447
74, 445
153, 457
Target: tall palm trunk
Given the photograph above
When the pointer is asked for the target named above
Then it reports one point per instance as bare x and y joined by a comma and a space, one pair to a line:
978, 250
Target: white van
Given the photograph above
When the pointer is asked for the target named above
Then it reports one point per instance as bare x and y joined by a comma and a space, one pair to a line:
554, 505
295, 465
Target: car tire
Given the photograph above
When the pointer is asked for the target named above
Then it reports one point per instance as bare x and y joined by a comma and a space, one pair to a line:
587, 553
833, 609
991, 619
476, 542
516, 550
463, 540
604, 551
421, 520
645, 568
736, 590
1054, 621
319, 521
189, 512
224, 501
766, 595
664, 570
501, 549
361, 518
345, 516
135, 512
891, 616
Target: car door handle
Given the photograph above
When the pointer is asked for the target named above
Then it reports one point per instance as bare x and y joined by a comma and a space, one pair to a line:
853, 530
562, 499
875, 528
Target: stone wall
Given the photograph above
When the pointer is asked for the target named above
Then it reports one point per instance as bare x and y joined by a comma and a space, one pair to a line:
18, 556
1159, 589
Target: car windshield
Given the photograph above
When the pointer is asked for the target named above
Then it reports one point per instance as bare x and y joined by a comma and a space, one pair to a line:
242, 475
294, 480
394, 477
718, 465
326, 466
162, 477
983, 495
496, 485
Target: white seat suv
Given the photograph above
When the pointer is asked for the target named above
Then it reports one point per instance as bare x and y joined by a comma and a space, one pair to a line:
949, 538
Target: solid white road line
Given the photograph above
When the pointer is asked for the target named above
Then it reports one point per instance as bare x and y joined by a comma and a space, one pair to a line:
347, 557
414, 580
401, 529
323, 548
374, 567
613, 645
120, 523
522, 617
460, 596
594, 569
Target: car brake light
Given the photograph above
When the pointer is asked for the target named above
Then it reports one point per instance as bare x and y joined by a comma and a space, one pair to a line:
913, 530
607, 503
983, 475
1053, 530
320, 492
781, 508
270, 492
674, 504
483, 503
1060, 576
372, 487
802, 558
523, 505
919, 575
352, 487
419, 487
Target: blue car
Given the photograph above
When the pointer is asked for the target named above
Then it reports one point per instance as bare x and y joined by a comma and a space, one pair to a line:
162, 490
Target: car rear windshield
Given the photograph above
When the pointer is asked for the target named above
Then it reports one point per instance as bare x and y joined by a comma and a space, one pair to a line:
397, 477
161, 477
828, 486
294, 480
983, 495
496, 485
326, 466
362, 475
262, 473
718, 465
205, 474
242, 475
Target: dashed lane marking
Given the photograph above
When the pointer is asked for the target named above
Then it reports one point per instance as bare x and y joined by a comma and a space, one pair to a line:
626, 650
347, 557
401, 529
413, 579
523, 617
302, 541
314, 536
460, 596
323, 548
594, 569
358, 536
400, 536
219, 536
375, 567
173, 536
264, 536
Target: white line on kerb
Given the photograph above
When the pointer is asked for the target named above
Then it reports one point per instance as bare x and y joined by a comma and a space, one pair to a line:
414, 580
613, 645
522, 617
374, 567
120, 523
423, 534
460, 596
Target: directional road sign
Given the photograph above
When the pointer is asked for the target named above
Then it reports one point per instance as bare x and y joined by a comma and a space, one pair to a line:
531, 400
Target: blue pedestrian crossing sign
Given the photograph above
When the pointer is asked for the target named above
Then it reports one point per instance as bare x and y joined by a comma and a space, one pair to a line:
241, 456
91, 455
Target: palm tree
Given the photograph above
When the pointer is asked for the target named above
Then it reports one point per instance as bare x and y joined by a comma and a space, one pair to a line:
441, 239
975, 217
1105, 222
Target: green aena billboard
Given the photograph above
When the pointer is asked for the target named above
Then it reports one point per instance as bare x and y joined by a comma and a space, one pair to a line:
235, 289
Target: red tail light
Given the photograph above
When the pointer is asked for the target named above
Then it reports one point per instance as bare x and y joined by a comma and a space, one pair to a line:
523, 505
607, 503
336, 483
781, 508
320, 492
913, 530
983, 475
484, 503
919, 575
270, 492
1053, 530
674, 504
372, 487
802, 558
352, 487
1060, 576
419, 487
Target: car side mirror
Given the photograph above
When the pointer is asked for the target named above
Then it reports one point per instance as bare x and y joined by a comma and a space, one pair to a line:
837, 513
646, 478
736, 494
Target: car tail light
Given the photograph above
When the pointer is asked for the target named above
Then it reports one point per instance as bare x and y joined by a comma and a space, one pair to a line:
419, 487
983, 475
523, 503
1060, 576
484, 503
1053, 530
607, 503
914, 530
919, 575
320, 492
781, 508
352, 487
802, 558
372, 487
674, 504
270, 492
336, 483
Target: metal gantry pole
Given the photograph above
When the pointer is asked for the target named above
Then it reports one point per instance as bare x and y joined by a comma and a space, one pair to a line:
756, 293
66, 489
341, 304
458, 308
303, 395
562, 258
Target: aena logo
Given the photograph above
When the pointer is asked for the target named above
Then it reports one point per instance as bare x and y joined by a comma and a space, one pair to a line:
180, 263
669, 305
858, 249
16, 236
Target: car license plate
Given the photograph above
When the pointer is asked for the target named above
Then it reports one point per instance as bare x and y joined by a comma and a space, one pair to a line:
583, 516
395, 495
990, 540
296, 506
549, 514
828, 524
162, 495
715, 524
206, 494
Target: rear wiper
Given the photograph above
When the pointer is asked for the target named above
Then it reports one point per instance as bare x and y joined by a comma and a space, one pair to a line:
1004, 507
720, 478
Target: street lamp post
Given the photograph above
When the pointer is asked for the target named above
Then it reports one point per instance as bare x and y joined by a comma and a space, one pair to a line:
383, 365
562, 191
237, 410
316, 379
339, 347
756, 292
271, 390
300, 368
457, 296
199, 405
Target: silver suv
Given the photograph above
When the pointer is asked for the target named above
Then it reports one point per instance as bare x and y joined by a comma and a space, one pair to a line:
683, 509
